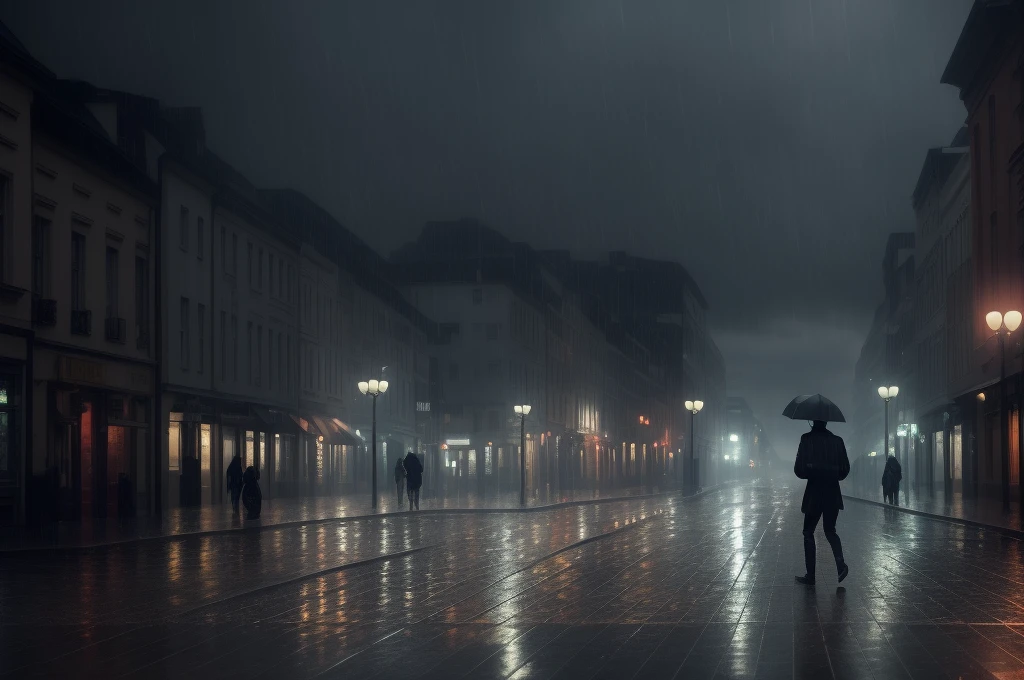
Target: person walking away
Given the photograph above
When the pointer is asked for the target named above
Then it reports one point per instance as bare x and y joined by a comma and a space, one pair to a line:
891, 478
234, 478
822, 461
252, 495
413, 478
399, 478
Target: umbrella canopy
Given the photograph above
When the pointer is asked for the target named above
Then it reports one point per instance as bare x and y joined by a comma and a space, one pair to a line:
814, 407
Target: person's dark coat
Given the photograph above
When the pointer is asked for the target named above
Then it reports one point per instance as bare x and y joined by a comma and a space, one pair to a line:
892, 475
822, 461
252, 495
413, 472
234, 474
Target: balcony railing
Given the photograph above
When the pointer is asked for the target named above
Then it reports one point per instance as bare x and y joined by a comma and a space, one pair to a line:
115, 329
44, 312
81, 321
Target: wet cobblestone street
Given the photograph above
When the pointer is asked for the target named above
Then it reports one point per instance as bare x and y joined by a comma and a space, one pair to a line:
651, 588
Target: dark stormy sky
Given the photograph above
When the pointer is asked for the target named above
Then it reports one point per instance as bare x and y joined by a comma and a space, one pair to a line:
769, 145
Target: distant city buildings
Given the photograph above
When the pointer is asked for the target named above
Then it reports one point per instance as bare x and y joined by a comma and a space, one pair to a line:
161, 315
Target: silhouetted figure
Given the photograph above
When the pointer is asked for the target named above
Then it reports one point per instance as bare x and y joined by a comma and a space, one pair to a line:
822, 461
234, 479
399, 478
891, 478
252, 496
413, 478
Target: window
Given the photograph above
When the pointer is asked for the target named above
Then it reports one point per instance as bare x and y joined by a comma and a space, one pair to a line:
183, 228
200, 331
141, 301
271, 276
270, 358
234, 348
223, 345
234, 254
199, 237
5, 222
224, 248
994, 248
251, 355
259, 355
288, 366
280, 276
40, 257
77, 271
492, 331
259, 271
280, 364
251, 270
183, 332
112, 282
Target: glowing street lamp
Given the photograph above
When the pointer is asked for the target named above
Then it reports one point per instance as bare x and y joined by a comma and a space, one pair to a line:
522, 410
690, 476
374, 388
1002, 325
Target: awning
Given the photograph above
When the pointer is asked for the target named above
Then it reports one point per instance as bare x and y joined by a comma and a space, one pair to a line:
276, 421
334, 433
332, 430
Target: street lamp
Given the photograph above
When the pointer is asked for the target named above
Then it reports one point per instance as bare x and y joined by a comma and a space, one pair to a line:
1002, 325
374, 388
694, 407
522, 411
887, 393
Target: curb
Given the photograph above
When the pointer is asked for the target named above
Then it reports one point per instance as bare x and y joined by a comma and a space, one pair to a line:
1006, 531
8, 552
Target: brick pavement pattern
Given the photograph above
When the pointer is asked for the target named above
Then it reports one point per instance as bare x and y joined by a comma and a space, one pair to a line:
652, 588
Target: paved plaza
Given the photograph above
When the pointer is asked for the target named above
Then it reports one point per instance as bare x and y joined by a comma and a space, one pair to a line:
642, 588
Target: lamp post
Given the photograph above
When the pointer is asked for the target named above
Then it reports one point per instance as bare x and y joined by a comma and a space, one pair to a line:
694, 407
1002, 325
887, 393
374, 388
522, 411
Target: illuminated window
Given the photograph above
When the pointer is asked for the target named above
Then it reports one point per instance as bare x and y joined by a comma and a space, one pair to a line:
174, 446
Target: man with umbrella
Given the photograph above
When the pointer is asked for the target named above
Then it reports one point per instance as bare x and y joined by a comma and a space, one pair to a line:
822, 461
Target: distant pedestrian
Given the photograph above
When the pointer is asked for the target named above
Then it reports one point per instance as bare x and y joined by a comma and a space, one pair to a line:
413, 479
891, 478
399, 478
252, 496
822, 461
234, 479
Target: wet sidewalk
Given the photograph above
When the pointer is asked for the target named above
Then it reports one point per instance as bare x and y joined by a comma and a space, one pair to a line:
984, 512
282, 512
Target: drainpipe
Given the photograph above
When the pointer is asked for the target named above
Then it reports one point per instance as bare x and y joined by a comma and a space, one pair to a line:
156, 340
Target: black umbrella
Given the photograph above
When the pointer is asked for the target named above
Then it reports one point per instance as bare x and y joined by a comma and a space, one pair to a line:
814, 407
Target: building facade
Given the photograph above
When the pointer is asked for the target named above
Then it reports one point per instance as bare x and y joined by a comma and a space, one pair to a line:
986, 67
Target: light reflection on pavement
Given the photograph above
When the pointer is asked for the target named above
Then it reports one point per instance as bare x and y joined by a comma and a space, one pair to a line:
640, 588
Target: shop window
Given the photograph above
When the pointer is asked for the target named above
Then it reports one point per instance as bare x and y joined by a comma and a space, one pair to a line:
174, 446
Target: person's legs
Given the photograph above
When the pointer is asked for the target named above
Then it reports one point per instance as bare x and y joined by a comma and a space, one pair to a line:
830, 517
896, 495
235, 495
417, 492
810, 523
